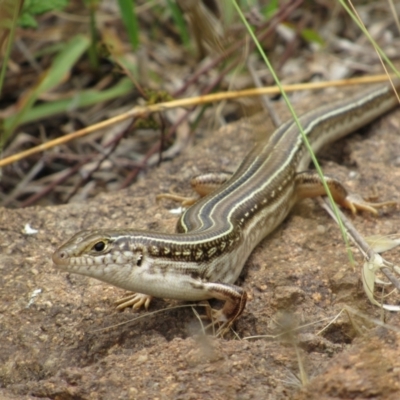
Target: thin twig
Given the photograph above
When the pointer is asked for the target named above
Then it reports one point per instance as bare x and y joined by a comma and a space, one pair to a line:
143, 111
360, 242
265, 99
281, 15
105, 156
31, 200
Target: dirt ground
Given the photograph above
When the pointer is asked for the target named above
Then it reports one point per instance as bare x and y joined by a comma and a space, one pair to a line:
61, 337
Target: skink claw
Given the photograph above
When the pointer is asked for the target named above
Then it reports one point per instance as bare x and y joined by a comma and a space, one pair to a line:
136, 300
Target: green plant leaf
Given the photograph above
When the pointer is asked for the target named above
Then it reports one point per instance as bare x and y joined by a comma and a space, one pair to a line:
39, 6
310, 35
270, 9
27, 21
56, 74
83, 99
36, 7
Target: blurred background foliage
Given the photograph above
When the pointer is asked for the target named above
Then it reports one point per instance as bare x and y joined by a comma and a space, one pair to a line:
67, 65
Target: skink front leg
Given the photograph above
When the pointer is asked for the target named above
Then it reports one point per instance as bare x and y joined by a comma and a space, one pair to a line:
203, 184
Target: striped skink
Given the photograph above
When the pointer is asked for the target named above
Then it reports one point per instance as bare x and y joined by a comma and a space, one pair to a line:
216, 235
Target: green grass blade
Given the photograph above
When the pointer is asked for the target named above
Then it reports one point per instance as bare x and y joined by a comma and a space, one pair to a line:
366, 33
83, 99
92, 51
9, 11
128, 15
180, 22
297, 122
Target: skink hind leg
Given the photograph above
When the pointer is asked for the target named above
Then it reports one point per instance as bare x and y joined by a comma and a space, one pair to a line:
136, 300
309, 184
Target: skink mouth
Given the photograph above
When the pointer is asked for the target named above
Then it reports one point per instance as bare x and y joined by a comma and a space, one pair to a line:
60, 258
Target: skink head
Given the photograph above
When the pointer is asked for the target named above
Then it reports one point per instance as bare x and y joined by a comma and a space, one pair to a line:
80, 247
93, 252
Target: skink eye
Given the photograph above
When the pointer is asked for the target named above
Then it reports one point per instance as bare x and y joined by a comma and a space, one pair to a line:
99, 246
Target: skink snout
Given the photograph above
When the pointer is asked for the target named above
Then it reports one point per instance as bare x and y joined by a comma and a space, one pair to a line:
60, 257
